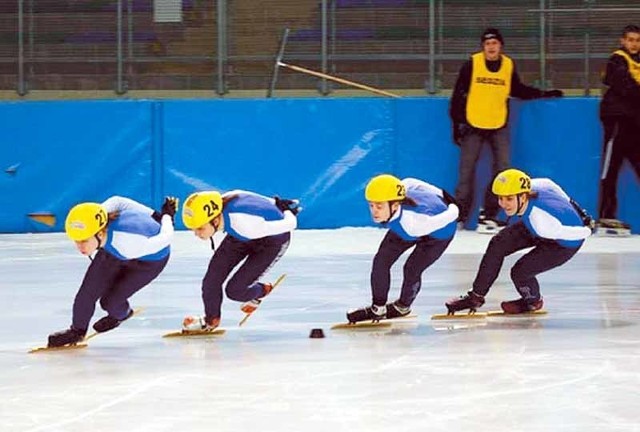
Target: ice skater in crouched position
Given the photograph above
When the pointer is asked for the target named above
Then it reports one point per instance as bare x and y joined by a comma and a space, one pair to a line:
258, 231
418, 215
542, 216
131, 245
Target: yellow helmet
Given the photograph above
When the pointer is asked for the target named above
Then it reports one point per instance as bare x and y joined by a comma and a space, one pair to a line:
85, 220
200, 208
385, 187
511, 182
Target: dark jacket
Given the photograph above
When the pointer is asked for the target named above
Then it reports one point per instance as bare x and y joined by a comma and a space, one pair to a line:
622, 97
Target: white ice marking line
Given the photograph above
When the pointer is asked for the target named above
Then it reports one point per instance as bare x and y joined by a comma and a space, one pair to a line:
97, 409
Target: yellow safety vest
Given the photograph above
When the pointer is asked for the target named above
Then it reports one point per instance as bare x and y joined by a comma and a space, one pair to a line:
634, 66
488, 93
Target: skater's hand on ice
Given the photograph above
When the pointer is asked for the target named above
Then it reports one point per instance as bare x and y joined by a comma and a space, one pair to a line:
287, 204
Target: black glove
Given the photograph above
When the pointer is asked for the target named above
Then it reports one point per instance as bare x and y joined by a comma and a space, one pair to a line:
460, 130
287, 204
448, 198
587, 220
552, 94
169, 207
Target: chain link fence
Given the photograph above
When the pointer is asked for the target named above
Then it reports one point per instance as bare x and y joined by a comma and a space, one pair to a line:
229, 45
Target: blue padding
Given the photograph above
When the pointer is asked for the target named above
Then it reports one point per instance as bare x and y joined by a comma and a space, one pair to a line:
322, 151
67, 152
423, 142
562, 140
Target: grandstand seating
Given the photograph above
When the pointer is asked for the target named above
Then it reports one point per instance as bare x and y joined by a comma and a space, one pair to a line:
74, 43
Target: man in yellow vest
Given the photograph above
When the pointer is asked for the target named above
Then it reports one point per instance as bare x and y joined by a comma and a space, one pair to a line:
479, 112
620, 116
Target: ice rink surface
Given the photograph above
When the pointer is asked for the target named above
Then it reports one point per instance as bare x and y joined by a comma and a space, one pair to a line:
574, 369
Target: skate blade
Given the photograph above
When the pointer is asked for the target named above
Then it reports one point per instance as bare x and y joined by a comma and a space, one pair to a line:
248, 315
373, 324
195, 333
516, 315
361, 325
474, 315
612, 232
60, 348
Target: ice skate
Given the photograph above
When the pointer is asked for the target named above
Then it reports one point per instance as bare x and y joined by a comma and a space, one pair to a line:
199, 324
377, 318
521, 306
470, 301
109, 323
487, 225
70, 336
397, 310
193, 326
251, 306
612, 228
371, 313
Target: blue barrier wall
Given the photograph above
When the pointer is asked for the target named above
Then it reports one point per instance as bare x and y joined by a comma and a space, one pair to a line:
55, 154
323, 151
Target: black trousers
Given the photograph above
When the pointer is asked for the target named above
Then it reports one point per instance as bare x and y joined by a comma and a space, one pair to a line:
545, 255
621, 141
470, 150
259, 255
427, 251
112, 281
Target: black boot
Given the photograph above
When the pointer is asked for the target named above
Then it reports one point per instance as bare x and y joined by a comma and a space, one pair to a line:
70, 336
109, 323
373, 313
470, 301
397, 310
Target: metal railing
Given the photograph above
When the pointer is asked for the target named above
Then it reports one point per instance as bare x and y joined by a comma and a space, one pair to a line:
223, 46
